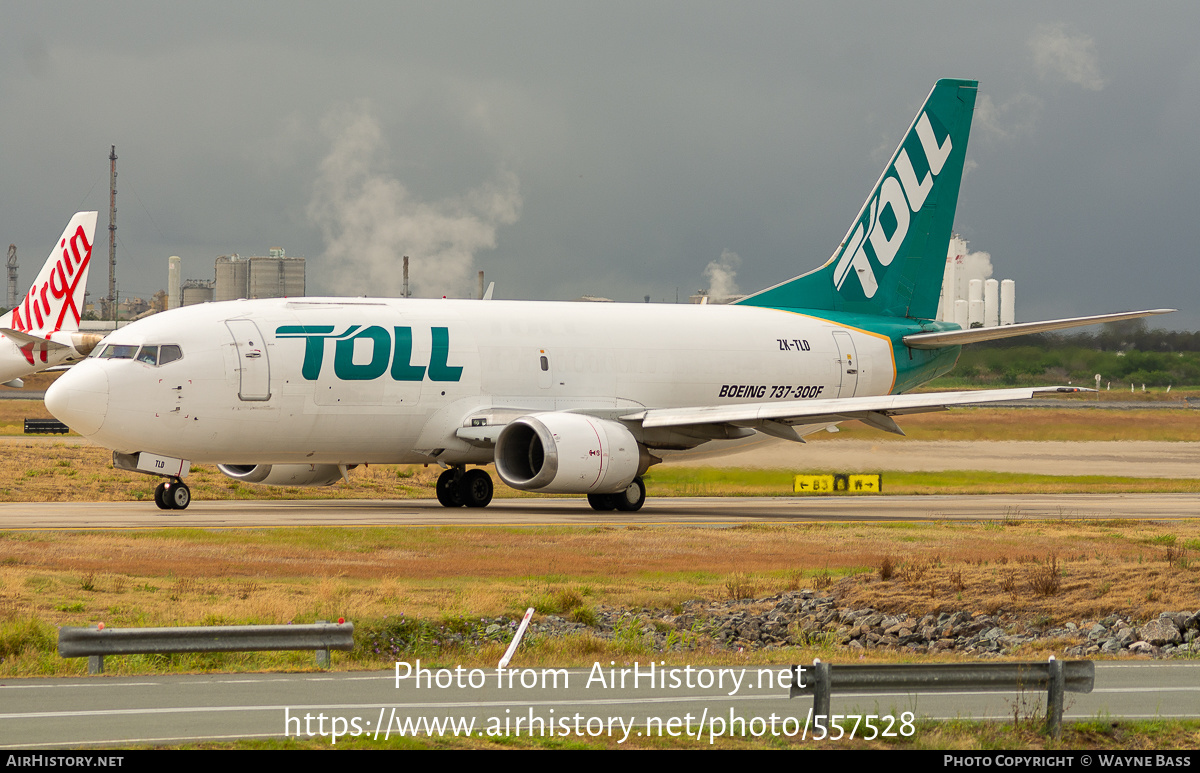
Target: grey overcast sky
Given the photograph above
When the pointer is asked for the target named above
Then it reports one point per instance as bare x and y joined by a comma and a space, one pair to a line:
605, 148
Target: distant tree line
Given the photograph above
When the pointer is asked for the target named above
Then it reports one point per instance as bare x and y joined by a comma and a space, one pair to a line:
1122, 353
1114, 336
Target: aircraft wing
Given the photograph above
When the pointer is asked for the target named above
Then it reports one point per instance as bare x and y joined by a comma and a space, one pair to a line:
779, 418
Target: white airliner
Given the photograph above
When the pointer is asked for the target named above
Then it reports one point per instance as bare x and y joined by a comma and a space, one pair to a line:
564, 397
42, 331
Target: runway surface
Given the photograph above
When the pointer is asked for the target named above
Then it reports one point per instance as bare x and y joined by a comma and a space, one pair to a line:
713, 511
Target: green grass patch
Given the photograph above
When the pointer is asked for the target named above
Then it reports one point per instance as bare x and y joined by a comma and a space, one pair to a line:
731, 482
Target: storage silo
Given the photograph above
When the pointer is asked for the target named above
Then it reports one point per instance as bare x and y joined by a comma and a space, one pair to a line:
197, 291
991, 303
276, 276
232, 278
1008, 302
975, 303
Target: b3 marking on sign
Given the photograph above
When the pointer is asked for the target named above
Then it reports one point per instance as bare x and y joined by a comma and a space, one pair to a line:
838, 483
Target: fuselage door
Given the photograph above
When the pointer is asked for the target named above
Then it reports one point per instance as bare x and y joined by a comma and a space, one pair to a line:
847, 363
254, 368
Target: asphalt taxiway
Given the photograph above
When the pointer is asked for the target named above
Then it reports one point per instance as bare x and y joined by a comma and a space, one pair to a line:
708, 511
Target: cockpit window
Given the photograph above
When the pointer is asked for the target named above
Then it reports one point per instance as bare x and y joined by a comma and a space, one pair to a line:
151, 355
119, 352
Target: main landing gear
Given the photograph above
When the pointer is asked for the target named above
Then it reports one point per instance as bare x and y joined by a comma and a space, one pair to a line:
172, 494
457, 487
630, 500
470, 488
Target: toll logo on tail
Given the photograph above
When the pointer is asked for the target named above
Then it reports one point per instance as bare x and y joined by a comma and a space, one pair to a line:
893, 256
888, 210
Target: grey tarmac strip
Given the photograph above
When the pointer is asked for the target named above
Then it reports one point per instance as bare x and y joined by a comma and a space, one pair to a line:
713, 511
46, 713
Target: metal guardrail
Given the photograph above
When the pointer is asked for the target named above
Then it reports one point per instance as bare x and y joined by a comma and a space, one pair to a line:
45, 427
97, 643
1055, 676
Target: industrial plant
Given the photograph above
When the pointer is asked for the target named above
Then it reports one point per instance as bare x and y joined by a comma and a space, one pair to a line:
274, 275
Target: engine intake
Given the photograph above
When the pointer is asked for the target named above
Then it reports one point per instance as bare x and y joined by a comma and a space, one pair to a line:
568, 453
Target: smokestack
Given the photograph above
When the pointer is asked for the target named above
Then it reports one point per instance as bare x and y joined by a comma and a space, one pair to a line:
479, 293
405, 276
174, 283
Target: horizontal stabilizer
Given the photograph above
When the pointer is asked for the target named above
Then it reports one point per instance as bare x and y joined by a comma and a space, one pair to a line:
977, 334
38, 344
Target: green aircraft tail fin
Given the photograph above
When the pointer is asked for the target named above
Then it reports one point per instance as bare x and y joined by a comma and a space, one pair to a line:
892, 260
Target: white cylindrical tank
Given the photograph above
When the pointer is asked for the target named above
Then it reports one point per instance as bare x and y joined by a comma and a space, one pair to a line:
991, 303
961, 314
974, 313
975, 303
1008, 302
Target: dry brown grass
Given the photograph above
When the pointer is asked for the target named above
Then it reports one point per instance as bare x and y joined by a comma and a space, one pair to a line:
192, 576
1064, 579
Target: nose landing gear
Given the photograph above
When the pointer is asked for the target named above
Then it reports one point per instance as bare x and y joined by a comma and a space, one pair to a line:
172, 494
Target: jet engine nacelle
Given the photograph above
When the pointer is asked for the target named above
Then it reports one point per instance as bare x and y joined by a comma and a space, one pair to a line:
284, 474
568, 453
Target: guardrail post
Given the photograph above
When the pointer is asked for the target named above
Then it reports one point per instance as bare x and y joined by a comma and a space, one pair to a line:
822, 688
323, 655
95, 664
1054, 699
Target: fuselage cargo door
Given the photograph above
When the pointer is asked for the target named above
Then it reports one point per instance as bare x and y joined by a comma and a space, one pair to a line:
847, 363
254, 368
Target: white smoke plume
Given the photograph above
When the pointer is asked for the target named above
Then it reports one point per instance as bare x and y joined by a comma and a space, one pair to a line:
1016, 116
1059, 54
967, 266
976, 265
370, 221
720, 274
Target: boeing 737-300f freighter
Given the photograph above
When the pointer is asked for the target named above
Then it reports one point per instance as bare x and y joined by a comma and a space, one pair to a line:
570, 398
42, 330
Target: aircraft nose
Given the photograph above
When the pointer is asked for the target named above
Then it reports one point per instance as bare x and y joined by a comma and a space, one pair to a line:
79, 398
